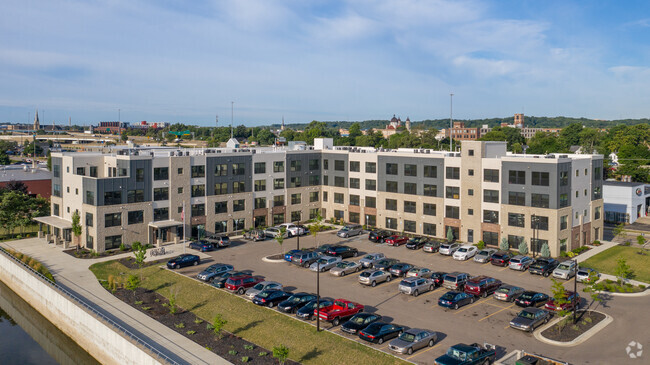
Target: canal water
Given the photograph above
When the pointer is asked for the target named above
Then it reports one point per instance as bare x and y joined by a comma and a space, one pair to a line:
26, 337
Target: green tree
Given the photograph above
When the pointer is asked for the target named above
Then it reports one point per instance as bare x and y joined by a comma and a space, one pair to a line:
355, 130
640, 240
590, 288
570, 135
132, 283
450, 235
504, 244
4, 159
76, 227
279, 238
543, 143
618, 229
480, 245
124, 137
217, 325
560, 297
140, 253
49, 161
545, 251
281, 353
523, 248
623, 271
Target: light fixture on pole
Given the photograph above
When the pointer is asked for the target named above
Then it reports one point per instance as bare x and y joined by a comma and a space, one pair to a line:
451, 119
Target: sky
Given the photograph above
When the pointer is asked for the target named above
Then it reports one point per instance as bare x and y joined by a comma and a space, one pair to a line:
189, 61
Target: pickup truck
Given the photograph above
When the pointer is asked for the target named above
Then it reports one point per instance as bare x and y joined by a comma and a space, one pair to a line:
340, 309
462, 354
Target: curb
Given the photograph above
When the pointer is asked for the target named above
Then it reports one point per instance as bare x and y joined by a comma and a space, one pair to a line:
578, 340
629, 295
267, 259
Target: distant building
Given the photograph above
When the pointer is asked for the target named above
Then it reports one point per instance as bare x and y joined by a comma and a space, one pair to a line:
149, 125
624, 202
37, 124
393, 125
38, 180
232, 143
111, 127
460, 132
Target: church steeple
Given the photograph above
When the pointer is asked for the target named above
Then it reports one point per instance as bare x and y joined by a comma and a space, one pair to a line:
37, 124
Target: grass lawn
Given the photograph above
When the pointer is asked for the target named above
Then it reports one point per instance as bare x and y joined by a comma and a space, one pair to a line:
256, 324
605, 261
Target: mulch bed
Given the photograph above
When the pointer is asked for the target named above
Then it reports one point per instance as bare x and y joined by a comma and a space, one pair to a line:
586, 320
131, 264
87, 254
230, 346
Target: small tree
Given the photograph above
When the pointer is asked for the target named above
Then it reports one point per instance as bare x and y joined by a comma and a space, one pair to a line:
132, 283
76, 227
281, 353
523, 248
640, 240
623, 270
450, 234
590, 288
480, 245
316, 228
560, 298
545, 251
172, 301
279, 238
217, 325
618, 229
140, 254
504, 244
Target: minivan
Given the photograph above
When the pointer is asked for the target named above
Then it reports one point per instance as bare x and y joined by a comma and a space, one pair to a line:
455, 280
350, 230
305, 259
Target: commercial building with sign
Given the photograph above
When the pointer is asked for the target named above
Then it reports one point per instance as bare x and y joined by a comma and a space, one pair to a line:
624, 202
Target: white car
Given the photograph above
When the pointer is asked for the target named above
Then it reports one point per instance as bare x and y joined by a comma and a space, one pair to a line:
465, 252
273, 232
448, 249
292, 229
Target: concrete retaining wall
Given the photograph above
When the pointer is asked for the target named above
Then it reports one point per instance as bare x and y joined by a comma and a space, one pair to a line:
96, 336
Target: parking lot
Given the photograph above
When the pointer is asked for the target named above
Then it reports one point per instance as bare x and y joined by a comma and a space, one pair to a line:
486, 320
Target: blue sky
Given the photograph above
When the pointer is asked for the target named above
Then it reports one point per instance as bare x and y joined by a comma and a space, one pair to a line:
165, 60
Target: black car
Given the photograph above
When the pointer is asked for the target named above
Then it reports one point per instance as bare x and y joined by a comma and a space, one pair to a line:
531, 299
385, 264
379, 332
270, 297
296, 302
183, 260
543, 266
219, 281
359, 321
323, 248
378, 236
416, 243
438, 277
307, 311
400, 269
202, 246
342, 251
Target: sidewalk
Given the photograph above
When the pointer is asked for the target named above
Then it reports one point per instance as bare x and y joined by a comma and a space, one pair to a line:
73, 274
596, 250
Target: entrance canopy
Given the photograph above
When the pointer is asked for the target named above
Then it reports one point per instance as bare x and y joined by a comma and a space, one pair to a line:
165, 224
55, 221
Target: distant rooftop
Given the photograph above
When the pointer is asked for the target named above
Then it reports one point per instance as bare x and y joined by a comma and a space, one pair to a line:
23, 173
622, 183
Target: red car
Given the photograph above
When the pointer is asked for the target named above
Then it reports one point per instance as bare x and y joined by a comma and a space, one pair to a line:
501, 258
340, 309
572, 297
396, 240
482, 286
240, 283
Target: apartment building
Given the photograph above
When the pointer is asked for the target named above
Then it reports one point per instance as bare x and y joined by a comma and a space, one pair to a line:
481, 193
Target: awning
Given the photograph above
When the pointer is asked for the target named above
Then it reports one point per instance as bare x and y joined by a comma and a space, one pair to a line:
55, 221
165, 224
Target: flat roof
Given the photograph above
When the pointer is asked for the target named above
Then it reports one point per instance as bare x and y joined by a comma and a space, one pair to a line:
18, 173
622, 183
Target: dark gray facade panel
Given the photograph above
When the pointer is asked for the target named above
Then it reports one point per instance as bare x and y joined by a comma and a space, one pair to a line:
331, 172
210, 179
529, 167
596, 183
400, 178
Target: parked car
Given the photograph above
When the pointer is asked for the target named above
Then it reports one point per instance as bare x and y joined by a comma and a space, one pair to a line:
183, 260
396, 240
240, 283
288, 256
419, 272
270, 297
273, 232
465, 252
385, 264
350, 230
264, 285
482, 286
292, 229
584, 275
438, 277
455, 280
520, 263
500, 258
305, 258
345, 267
412, 340
484, 256
340, 310
295, 302
378, 236
342, 251
324, 263
530, 318
203, 246
416, 243
256, 235
455, 299
305, 229
378, 332
565, 270
531, 299
448, 249
370, 259
219, 241
213, 270
323, 248
219, 281
508, 293
462, 354
359, 321
431, 246
308, 310
573, 298
414, 286
543, 266
400, 269
373, 276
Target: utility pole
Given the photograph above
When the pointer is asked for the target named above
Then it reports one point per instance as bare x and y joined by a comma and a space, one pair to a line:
575, 293
232, 108
317, 296
451, 119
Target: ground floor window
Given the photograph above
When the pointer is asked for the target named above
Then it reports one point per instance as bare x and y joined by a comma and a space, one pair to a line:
391, 223
409, 226
455, 232
514, 241
429, 229
536, 244
371, 220
89, 241
313, 213
198, 231
112, 242
339, 214
259, 221
354, 217
221, 227
296, 216
238, 224
278, 219
491, 238
563, 245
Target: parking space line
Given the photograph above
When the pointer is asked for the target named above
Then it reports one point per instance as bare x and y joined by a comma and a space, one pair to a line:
505, 267
421, 352
496, 313
385, 346
469, 306
523, 272
506, 327
421, 295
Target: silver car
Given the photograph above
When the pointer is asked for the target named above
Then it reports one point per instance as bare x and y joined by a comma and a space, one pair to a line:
448, 249
529, 318
508, 293
350, 230
584, 274
273, 232
419, 272
520, 263
412, 340
565, 270
484, 256
414, 286
372, 277
370, 259
345, 267
251, 292
325, 262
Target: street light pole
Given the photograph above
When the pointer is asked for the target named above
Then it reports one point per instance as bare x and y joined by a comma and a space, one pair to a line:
575, 291
317, 296
297, 237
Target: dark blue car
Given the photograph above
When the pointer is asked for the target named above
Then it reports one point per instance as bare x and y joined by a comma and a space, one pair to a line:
183, 260
455, 299
379, 332
307, 311
296, 301
270, 297
202, 246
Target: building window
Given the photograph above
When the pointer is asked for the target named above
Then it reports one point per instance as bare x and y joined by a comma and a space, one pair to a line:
371, 202
564, 200
452, 192
260, 185
278, 200
410, 170
354, 217
563, 245
324, 196
55, 210
517, 177
539, 200
371, 184
238, 187
198, 190
539, 178
491, 238
564, 178
326, 164
430, 190
112, 220
238, 224
314, 164
354, 200
429, 229
296, 216
391, 169
56, 170
313, 197
326, 180
278, 183
339, 165
410, 188
536, 244
314, 180
89, 219
180, 190
470, 211
135, 196
161, 214
221, 170
219, 207
198, 171
598, 192
179, 171
564, 222
260, 167
577, 193
391, 223
90, 197
409, 226
491, 196
160, 194
161, 173
238, 205
597, 213
355, 166
409, 207
491, 175
278, 166
577, 173
136, 217
112, 197
429, 209
139, 175
470, 172
453, 173
371, 167
431, 171
56, 190
112, 242
259, 221
471, 152
516, 220
339, 181
598, 173
490, 216
514, 241
452, 212
539, 222
220, 188
516, 198
221, 227
296, 198
313, 213
354, 183
391, 204
93, 173
296, 165
260, 203
238, 169
371, 220
339, 198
